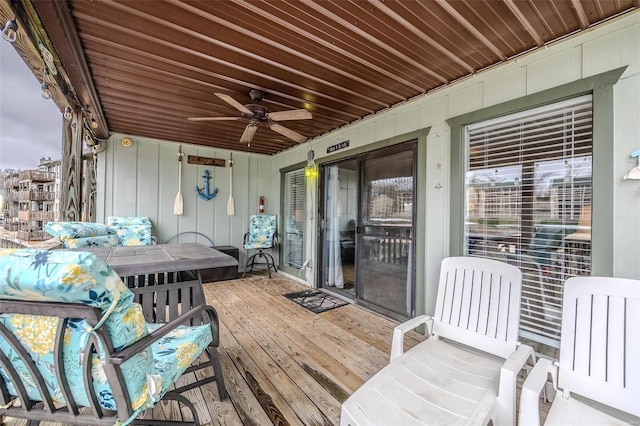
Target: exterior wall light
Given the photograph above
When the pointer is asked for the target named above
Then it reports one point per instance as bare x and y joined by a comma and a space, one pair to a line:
46, 91
68, 113
10, 31
311, 170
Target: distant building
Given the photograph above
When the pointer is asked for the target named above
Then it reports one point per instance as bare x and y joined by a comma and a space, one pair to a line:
31, 199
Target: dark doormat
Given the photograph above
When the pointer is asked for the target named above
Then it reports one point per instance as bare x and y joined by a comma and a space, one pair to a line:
315, 301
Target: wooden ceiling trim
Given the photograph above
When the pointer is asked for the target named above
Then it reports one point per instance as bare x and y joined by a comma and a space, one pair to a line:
378, 43
492, 31
324, 28
190, 107
560, 18
335, 115
213, 109
103, 59
221, 138
419, 33
525, 22
282, 47
139, 53
112, 104
275, 32
203, 103
333, 47
582, 16
243, 52
259, 146
385, 29
472, 29
544, 21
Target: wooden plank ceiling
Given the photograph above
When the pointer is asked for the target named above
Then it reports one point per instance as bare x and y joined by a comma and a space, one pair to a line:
153, 64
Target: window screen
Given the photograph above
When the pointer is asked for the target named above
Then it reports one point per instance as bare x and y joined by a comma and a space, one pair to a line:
528, 203
294, 211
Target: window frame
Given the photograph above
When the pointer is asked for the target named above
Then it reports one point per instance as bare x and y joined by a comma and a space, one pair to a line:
283, 224
600, 86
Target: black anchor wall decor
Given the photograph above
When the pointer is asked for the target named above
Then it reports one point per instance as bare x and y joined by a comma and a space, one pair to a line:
205, 193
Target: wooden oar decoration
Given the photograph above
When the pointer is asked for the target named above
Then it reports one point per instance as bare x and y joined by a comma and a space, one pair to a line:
230, 203
178, 203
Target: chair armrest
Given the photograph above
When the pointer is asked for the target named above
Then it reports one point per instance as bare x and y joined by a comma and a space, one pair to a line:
508, 377
397, 346
197, 312
518, 359
531, 389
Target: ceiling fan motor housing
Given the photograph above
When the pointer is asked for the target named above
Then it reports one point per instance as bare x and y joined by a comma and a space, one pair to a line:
256, 95
259, 112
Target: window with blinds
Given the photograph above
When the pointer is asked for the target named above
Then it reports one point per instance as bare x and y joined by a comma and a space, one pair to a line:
294, 213
528, 203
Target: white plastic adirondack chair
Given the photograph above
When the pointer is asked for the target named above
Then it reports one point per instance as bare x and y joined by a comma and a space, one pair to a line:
468, 376
598, 376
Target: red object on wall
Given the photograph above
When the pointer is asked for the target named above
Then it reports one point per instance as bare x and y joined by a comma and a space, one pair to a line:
261, 205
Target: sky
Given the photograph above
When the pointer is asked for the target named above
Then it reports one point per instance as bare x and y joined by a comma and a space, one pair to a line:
30, 126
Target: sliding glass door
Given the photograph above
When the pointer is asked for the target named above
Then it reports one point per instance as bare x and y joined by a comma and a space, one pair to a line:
367, 229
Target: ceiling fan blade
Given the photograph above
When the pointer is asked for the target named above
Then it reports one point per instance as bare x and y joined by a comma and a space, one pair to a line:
287, 132
294, 114
248, 133
237, 105
214, 118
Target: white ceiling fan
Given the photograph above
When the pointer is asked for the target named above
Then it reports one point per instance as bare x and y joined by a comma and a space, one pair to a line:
259, 115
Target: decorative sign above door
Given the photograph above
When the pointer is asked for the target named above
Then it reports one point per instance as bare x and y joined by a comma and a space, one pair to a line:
337, 147
204, 161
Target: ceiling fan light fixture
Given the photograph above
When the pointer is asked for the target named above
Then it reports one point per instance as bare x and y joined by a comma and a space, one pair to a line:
10, 31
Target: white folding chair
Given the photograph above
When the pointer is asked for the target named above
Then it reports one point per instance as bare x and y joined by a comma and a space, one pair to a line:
597, 379
465, 372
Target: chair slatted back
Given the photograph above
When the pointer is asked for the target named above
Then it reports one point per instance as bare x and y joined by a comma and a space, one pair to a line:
176, 292
600, 346
478, 304
70, 412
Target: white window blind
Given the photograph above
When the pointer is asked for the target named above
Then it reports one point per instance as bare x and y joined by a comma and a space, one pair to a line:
528, 202
294, 210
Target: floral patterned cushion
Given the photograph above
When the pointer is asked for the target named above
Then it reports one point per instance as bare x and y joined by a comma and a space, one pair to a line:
82, 234
176, 351
99, 241
66, 230
132, 231
262, 231
72, 277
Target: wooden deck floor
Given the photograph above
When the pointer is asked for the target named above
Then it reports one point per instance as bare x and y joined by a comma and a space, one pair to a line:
286, 365
283, 364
